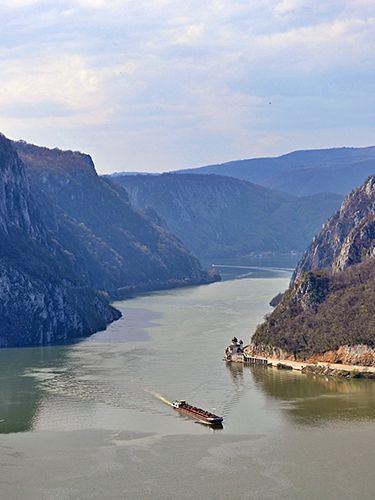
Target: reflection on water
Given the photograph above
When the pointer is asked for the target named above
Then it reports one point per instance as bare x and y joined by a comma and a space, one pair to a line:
82, 421
20, 394
314, 400
170, 342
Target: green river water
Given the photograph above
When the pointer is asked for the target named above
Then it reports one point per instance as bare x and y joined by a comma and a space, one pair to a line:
86, 421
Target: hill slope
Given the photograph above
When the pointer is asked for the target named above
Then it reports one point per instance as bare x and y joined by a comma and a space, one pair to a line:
337, 170
328, 311
114, 246
220, 217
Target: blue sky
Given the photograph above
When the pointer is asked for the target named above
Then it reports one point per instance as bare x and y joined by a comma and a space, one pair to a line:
160, 85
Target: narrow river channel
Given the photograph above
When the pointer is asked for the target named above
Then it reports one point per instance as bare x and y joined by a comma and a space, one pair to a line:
88, 421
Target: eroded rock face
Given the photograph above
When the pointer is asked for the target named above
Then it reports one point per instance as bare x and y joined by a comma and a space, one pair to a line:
41, 299
33, 312
347, 238
358, 245
362, 355
327, 314
311, 290
14, 192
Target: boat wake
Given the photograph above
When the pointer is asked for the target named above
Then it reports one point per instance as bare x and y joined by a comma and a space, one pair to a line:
160, 397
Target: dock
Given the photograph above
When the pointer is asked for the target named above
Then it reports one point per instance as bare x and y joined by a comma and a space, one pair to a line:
321, 368
247, 360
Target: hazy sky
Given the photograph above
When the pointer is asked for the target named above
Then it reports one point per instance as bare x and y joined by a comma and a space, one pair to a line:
159, 84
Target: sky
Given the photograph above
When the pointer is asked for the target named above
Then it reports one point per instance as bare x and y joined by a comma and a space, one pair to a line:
156, 85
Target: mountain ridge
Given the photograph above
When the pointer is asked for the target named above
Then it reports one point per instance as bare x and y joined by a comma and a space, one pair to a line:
301, 172
221, 217
126, 250
70, 242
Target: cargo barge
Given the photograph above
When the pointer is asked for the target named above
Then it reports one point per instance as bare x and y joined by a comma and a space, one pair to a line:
203, 416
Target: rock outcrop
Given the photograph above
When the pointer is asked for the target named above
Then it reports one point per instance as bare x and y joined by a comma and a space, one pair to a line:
328, 312
41, 299
347, 238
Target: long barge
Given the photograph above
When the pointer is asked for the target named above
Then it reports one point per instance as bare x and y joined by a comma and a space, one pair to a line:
203, 416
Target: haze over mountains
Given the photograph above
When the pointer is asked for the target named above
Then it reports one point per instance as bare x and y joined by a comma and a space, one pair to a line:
119, 249
222, 217
336, 170
70, 241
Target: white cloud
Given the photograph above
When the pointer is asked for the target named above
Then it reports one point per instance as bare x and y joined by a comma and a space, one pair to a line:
9, 4
205, 68
287, 6
66, 80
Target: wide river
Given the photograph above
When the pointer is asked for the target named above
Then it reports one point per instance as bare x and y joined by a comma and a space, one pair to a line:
88, 421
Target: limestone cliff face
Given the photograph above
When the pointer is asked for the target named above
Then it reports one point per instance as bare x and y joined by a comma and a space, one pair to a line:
15, 209
41, 300
348, 237
35, 312
328, 312
112, 245
70, 241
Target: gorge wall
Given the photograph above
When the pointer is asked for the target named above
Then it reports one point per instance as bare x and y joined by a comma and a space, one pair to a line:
69, 243
227, 218
328, 311
41, 299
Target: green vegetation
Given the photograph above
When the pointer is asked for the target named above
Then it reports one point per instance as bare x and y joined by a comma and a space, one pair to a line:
323, 311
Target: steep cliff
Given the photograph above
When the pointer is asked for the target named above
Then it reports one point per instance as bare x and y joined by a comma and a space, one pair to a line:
41, 299
112, 246
348, 237
328, 311
218, 216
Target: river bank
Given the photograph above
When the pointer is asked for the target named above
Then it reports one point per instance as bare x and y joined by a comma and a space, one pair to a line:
318, 368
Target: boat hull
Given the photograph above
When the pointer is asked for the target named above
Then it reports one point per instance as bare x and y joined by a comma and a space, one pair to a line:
202, 416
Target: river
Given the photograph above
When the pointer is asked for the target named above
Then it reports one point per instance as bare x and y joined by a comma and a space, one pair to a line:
88, 421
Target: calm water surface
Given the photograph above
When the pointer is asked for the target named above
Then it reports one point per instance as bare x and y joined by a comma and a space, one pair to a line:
87, 421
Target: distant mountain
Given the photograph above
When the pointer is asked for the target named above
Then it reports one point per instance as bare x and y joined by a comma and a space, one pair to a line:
42, 300
337, 170
328, 311
115, 247
221, 217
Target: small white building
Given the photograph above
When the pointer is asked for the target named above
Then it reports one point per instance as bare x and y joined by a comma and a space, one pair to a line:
234, 349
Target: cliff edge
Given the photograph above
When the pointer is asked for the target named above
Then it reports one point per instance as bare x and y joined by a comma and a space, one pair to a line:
41, 298
327, 314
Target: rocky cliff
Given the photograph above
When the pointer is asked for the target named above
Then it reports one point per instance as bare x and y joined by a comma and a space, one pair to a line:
328, 311
348, 237
222, 217
112, 245
41, 299
69, 242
